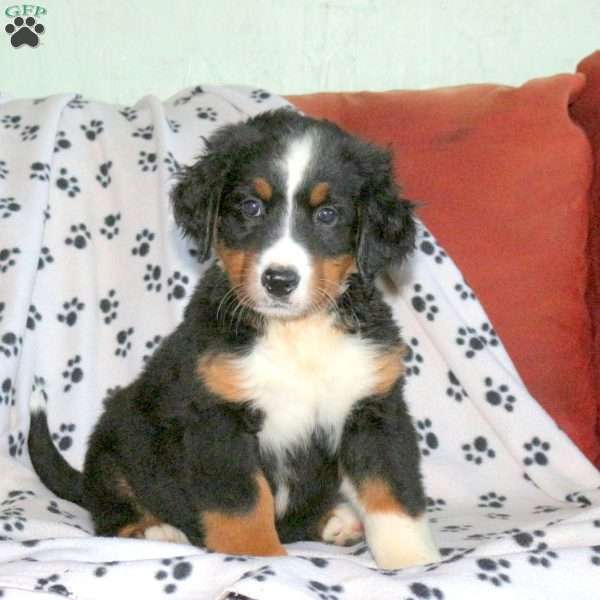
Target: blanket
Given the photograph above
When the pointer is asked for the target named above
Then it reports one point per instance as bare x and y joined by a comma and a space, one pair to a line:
93, 273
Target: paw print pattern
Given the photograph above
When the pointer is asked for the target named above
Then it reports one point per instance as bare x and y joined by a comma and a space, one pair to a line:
103, 177
12, 519
24, 31
144, 133
124, 342
185, 99
435, 504
455, 390
29, 132
464, 291
45, 258
583, 501
144, 239
177, 286
152, 278
171, 162
51, 584
421, 591
206, 113
10, 344
8, 207
412, 358
475, 341
259, 95
427, 439
15, 444
148, 161
177, 569
33, 317
56, 510
129, 113
422, 302
491, 500
15, 496
73, 374
93, 129
151, 346
40, 171
108, 307
71, 310
7, 258
110, 229
11, 121
430, 247
595, 559
62, 437
499, 395
537, 452
8, 393
540, 554
4, 171
174, 125
80, 236
68, 184
493, 571
261, 574
325, 592
61, 142
77, 102
478, 450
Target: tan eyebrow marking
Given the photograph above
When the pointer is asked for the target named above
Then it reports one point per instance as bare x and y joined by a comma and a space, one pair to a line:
263, 188
319, 193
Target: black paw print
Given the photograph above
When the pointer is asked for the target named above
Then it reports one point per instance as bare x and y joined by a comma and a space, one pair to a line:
456, 528
206, 113
412, 358
235, 558
8, 393
8, 207
7, 258
12, 519
56, 510
427, 439
103, 177
464, 291
430, 247
124, 342
93, 129
455, 390
261, 574
2, 307
29, 132
68, 184
11, 121
499, 395
422, 302
544, 509
450, 555
63, 437
152, 278
10, 343
4, 171
73, 373
151, 345
77, 102
537, 450
260, 95
71, 309
424, 592
144, 132
40, 171
15, 496
595, 555
492, 570
325, 592
476, 341
111, 226
61, 142
80, 236
172, 165
478, 450
45, 258
176, 284
33, 317
148, 161
24, 31
185, 99
143, 239
435, 504
492, 500
108, 306
579, 498
129, 113
15, 444
178, 570
174, 126
51, 584
540, 554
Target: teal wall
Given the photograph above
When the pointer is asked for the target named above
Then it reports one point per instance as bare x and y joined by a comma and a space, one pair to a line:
121, 50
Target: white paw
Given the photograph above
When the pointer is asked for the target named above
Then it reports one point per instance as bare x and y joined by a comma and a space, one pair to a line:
343, 528
166, 533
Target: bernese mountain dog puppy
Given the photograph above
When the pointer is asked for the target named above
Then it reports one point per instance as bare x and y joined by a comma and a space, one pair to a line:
274, 412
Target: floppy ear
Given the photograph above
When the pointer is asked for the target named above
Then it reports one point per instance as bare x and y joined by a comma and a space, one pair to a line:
386, 228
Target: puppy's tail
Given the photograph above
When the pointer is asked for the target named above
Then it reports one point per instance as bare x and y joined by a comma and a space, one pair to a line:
54, 471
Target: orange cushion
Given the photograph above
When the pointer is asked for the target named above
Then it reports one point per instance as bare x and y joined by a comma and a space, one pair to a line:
503, 176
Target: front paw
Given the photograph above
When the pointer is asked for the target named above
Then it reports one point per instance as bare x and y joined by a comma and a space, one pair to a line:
343, 527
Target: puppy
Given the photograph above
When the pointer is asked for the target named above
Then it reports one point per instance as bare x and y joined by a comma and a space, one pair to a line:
274, 412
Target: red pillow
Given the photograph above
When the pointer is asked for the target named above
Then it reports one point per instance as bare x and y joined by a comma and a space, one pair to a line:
503, 175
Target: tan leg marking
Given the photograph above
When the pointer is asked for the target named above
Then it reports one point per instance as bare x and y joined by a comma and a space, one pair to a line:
251, 533
220, 374
390, 367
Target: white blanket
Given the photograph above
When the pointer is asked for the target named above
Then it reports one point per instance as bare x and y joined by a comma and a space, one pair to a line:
93, 272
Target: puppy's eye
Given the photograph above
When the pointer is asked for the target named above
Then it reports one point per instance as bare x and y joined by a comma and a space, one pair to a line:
251, 207
327, 215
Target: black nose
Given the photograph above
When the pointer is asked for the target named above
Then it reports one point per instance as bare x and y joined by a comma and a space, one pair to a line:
280, 282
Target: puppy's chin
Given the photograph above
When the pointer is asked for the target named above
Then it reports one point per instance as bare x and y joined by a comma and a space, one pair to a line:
280, 310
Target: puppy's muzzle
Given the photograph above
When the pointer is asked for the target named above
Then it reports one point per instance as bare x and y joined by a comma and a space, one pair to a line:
280, 282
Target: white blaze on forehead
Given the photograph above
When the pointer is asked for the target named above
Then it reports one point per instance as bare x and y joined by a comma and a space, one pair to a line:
296, 162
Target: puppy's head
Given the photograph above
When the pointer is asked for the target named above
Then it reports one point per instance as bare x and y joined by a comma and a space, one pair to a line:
293, 206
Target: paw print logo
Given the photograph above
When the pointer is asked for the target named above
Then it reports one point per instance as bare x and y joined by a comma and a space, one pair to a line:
427, 439
177, 286
15, 444
540, 554
493, 571
7, 258
152, 278
176, 569
129, 113
40, 171
93, 129
171, 162
144, 133
478, 451
537, 452
80, 236
71, 309
8, 207
325, 592
491, 500
111, 226
8, 393
151, 345
29, 132
412, 358
476, 341
259, 95
10, 343
108, 306
11, 121
68, 184
103, 177
45, 258
499, 395
464, 291
455, 390
207, 114
62, 437
422, 303
61, 142
77, 102
4, 170
429, 246
24, 31
33, 317
144, 238
73, 373
148, 161
124, 342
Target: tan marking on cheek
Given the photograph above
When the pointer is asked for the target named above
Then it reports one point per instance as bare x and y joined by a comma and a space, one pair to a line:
240, 266
389, 368
137, 530
376, 496
248, 533
263, 188
328, 276
221, 375
319, 194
